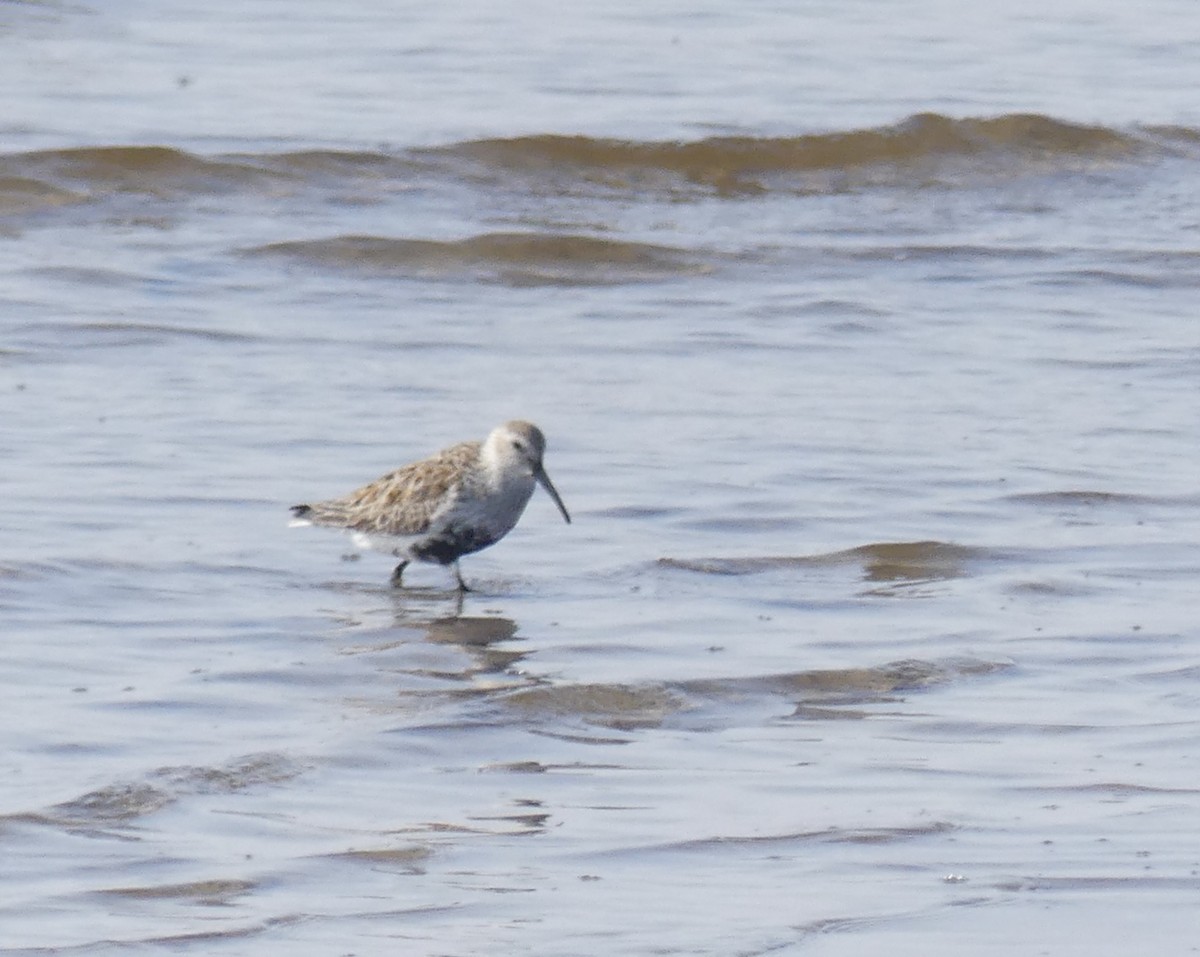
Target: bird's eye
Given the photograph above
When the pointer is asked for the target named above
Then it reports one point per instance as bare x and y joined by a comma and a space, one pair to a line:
518, 445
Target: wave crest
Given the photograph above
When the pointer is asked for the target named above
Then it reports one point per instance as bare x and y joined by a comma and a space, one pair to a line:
746, 164
513, 258
927, 149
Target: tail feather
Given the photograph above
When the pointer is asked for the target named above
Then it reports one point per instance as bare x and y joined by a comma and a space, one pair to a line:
331, 514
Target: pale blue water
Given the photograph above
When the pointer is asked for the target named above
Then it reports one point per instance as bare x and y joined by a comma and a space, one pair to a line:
875, 626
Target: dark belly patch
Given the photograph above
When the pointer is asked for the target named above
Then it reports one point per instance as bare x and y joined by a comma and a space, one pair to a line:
450, 544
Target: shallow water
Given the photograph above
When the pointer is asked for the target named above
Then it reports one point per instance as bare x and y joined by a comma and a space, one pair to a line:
868, 359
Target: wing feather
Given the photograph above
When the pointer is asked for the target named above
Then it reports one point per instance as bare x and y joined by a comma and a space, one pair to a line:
401, 503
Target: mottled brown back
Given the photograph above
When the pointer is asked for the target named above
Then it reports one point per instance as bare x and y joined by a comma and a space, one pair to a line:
402, 502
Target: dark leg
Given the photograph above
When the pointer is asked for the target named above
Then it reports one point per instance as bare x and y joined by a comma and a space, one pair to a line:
462, 585
398, 575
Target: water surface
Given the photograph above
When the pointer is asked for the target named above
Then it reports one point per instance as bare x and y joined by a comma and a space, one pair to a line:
867, 354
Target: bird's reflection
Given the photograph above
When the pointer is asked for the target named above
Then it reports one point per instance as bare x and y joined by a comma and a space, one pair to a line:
476, 635
473, 634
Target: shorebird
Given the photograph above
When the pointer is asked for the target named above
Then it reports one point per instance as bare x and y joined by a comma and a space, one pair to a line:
463, 499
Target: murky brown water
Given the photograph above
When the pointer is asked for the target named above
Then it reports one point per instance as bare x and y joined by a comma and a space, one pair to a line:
868, 356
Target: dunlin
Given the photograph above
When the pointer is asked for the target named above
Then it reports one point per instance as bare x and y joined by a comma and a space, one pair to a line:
462, 499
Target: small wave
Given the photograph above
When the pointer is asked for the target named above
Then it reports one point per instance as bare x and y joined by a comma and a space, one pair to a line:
814, 694
512, 258
833, 835
1087, 498
156, 170
880, 561
609, 705
121, 334
118, 806
924, 149
22, 194
337, 165
214, 891
734, 165
407, 859
114, 806
915, 561
847, 684
254, 770
40, 180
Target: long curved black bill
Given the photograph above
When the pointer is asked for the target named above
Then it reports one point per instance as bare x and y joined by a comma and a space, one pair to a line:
544, 481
